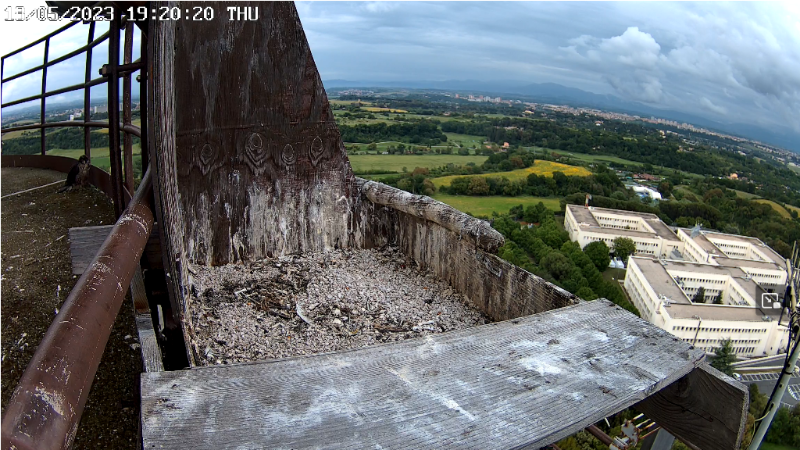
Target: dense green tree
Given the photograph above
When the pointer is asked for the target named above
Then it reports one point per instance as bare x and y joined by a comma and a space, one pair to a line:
624, 247
598, 252
557, 264
586, 293
724, 357
700, 295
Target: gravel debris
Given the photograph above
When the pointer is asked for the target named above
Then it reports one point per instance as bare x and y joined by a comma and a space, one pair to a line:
316, 303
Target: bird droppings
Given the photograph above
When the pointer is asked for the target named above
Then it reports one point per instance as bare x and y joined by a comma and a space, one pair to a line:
316, 303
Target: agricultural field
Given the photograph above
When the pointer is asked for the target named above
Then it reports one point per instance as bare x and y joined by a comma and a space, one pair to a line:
464, 140
589, 158
376, 109
100, 158
777, 207
792, 208
746, 195
135, 122
540, 167
395, 163
484, 206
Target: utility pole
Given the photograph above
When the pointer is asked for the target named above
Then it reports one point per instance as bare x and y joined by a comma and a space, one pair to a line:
789, 301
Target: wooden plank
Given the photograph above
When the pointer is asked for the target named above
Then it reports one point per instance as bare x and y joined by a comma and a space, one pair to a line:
84, 243
705, 409
527, 381
151, 352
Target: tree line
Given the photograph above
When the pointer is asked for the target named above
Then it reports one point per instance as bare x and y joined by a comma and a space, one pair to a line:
424, 132
546, 251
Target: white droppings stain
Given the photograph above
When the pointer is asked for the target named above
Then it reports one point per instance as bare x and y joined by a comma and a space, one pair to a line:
600, 336
448, 402
533, 363
53, 399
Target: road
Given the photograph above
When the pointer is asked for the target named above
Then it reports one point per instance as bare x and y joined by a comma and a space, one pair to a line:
766, 382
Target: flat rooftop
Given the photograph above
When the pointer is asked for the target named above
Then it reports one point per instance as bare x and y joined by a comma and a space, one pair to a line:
657, 274
661, 281
704, 241
586, 220
716, 312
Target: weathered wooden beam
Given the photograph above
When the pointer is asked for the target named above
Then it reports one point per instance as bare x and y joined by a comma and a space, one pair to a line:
705, 409
527, 381
463, 225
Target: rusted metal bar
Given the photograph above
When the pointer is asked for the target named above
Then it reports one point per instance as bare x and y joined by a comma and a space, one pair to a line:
126, 107
133, 129
599, 434
74, 87
87, 94
46, 407
142, 80
113, 117
88, 47
122, 69
44, 89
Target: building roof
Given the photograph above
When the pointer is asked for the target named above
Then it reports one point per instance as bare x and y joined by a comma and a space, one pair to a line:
587, 222
722, 258
662, 282
715, 312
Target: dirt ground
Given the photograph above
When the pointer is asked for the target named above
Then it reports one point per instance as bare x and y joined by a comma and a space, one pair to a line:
36, 279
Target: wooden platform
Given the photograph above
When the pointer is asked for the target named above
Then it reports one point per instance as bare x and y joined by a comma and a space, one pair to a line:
523, 382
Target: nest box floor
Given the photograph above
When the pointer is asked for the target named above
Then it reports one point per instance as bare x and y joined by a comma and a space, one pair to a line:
315, 303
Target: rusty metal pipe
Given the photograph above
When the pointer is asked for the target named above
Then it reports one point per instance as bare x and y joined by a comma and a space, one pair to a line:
599, 434
46, 407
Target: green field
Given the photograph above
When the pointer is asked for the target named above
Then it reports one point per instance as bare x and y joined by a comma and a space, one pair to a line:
541, 167
768, 446
367, 163
777, 207
484, 206
466, 140
100, 158
591, 158
743, 194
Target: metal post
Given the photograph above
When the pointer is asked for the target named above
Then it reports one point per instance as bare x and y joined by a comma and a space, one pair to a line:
113, 118
775, 398
126, 107
143, 73
44, 89
87, 138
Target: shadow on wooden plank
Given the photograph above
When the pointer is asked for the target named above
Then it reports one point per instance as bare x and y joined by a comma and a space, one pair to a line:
705, 409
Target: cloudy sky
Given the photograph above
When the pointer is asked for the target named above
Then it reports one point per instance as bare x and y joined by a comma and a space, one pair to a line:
729, 62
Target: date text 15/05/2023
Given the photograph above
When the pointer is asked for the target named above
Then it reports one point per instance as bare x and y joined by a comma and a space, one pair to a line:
133, 13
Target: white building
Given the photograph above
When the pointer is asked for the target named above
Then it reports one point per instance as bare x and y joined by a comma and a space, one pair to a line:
754, 257
650, 192
662, 291
651, 235
670, 267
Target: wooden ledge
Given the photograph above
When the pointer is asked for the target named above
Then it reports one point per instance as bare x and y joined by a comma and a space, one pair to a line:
528, 381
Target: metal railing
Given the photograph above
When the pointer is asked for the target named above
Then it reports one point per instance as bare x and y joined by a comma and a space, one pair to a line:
47, 404
122, 175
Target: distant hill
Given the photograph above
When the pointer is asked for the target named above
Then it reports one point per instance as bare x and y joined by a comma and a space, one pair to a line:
559, 94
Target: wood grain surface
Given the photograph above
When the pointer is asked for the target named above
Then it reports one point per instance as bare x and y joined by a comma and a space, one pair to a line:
528, 381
